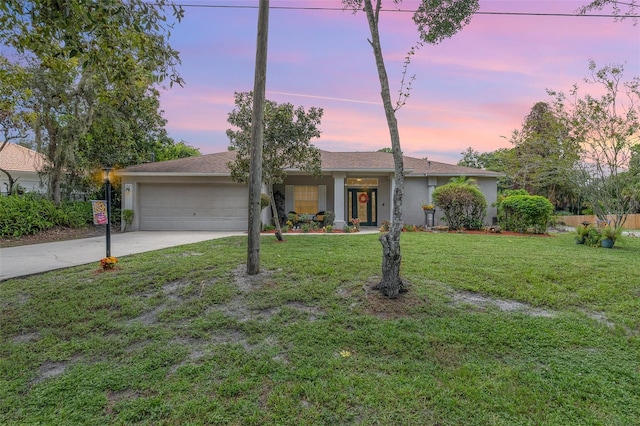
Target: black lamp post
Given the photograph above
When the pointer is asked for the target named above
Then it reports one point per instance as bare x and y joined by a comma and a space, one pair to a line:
107, 184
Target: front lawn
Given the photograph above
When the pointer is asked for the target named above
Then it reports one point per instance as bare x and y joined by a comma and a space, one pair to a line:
495, 330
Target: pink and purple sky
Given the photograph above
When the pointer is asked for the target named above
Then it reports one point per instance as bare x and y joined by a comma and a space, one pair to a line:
471, 90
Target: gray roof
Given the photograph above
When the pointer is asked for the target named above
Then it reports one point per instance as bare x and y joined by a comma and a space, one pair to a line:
372, 162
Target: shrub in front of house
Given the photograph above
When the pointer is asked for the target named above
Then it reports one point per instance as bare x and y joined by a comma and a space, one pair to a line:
31, 213
462, 204
521, 212
329, 218
76, 214
25, 215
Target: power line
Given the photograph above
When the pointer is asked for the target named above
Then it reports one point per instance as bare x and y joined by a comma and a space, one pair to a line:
324, 8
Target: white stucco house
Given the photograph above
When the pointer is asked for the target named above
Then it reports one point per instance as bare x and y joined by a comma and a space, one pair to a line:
197, 193
24, 165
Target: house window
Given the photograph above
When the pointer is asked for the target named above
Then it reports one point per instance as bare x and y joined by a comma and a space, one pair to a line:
305, 199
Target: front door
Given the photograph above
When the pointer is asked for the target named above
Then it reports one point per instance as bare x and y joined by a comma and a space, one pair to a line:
363, 206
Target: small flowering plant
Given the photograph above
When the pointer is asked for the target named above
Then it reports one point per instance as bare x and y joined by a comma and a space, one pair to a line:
108, 262
355, 222
427, 206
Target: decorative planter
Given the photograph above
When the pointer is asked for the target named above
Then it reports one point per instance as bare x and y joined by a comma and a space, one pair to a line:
607, 242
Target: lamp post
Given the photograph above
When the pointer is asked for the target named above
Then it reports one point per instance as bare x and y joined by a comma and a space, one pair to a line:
107, 184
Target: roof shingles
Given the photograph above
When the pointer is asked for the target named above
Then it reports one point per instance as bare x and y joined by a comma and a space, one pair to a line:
216, 164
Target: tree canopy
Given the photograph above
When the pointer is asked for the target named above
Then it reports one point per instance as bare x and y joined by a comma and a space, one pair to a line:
543, 156
92, 70
287, 135
607, 127
114, 38
14, 92
288, 131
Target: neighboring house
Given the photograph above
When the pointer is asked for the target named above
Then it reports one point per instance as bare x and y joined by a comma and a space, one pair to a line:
197, 193
24, 166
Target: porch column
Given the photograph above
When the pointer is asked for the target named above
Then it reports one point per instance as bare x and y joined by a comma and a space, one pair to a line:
338, 199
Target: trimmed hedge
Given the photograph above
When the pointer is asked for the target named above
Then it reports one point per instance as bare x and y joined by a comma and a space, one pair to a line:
30, 214
463, 205
525, 213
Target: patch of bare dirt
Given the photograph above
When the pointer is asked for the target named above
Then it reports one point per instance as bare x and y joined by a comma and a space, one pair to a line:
372, 302
483, 302
59, 233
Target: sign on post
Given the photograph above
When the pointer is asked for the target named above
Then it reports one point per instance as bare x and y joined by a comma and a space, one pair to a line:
99, 212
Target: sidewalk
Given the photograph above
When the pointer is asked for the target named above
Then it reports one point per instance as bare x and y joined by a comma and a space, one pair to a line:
36, 258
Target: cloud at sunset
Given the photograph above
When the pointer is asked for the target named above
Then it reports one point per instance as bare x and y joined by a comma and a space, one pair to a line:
469, 90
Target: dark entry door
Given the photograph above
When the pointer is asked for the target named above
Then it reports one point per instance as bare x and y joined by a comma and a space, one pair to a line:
363, 205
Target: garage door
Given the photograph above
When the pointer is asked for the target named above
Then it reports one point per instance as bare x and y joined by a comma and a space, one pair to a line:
193, 207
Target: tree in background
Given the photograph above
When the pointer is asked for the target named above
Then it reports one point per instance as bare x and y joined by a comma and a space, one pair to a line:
494, 161
288, 131
14, 92
63, 104
167, 149
541, 161
471, 158
543, 157
607, 128
81, 53
14, 114
436, 20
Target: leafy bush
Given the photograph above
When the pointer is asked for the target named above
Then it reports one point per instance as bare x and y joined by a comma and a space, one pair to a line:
592, 236
524, 213
462, 203
329, 218
24, 215
75, 215
30, 214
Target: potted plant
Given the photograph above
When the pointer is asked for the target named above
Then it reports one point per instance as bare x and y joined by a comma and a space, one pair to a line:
108, 263
582, 232
609, 236
426, 206
127, 218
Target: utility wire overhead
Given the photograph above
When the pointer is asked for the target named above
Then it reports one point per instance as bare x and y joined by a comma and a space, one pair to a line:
321, 8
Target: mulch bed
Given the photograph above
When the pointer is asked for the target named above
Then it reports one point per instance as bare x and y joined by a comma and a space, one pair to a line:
58, 233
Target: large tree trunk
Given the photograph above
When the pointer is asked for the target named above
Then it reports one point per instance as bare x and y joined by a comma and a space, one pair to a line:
391, 284
257, 137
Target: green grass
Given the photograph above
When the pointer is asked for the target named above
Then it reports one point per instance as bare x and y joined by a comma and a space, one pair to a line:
183, 336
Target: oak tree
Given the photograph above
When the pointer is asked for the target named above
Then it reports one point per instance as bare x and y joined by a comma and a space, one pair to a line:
80, 53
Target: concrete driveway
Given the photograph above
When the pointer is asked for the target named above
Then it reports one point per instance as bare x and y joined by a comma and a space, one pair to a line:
37, 258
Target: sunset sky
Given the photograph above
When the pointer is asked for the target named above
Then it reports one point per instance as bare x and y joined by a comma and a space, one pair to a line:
471, 90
